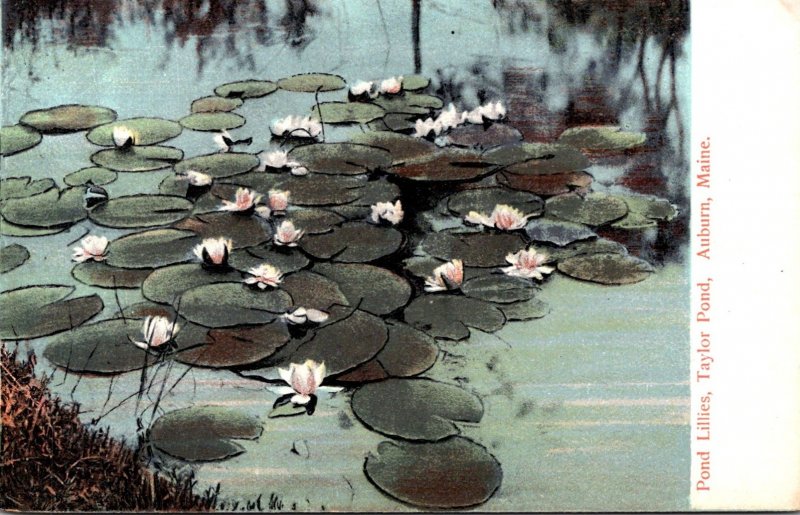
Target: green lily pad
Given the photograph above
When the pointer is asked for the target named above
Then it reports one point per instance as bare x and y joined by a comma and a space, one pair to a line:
346, 112
445, 165
243, 231
450, 316
16, 138
315, 221
474, 249
341, 158
557, 231
137, 159
374, 289
311, 82
149, 131
415, 409
592, 209
402, 146
92, 175
152, 249
645, 211
21, 231
409, 103
234, 346
415, 82
606, 268
323, 190
458, 473
478, 137
579, 248
602, 138
547, 185
246, 89
219, 165
393, 122
232, 304
12, 256
35, 311
141, 211
67, 118
216, 104
315, 291
49, 209
499, 288
525, 310
166, 285
212, 121
484, 200
21, 187
203, 433
537, 158
103, 275
354, 242
286, 261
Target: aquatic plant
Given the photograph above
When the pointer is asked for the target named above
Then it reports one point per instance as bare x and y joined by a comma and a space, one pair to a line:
528, 263
158, 332
92, 248
264, 276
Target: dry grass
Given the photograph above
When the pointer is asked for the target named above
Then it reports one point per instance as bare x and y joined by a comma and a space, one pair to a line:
52, 462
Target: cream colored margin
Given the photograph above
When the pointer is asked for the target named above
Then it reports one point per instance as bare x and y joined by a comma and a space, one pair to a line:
746, 98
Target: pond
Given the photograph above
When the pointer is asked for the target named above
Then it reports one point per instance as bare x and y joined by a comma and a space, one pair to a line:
577, 399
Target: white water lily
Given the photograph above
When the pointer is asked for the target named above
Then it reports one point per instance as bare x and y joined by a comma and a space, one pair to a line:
391, 86
196, 178
157, 331
278, 201
304, 381
298, 171
424, 127
392, 213
92, 248
264, 276
490, 111
448, 276
214, 251
362, 88
503, 217
528, 264
301, 315
224, 141
287, 235
297, 127
124, 137
245, 199
450, 118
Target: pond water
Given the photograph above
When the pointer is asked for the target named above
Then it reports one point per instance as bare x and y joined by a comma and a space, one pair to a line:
586, 408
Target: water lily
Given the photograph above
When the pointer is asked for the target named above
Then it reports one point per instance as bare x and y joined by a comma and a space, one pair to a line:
362, 90
528, 264
278, 201
503, 217
422, 128
391, 86
287, 235
245, 200
297, 127
264, 276
301, 315
196, 178
124, 137
448, 276
305, 381
490, 111
214, 251
92, 248
450, 118
298, 171
157, 331
224, 141
392, 213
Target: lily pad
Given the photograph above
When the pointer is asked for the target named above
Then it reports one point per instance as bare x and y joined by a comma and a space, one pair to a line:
557, 231
141, 211
21, 187
216, 104
374, 289
246, 89
606, 268
137, 159
67, 118
49, 209
16, 138
484, 200
35, 311
409, 103
592, 209
354, 242
315, 221
212, 121
402, 146
243, 231
152, 249
203, 433
458, 473
219, 165
547, 185
12, 256
149, 131
537, 158
341, 158
445, 165
474, 249
415, 409
235, 346
393, 122
286, 261
311, 82
450, 316
478, 137
232, 304
105, 276
526, 310
645, 211
415, 82
310, 290
323, 190
602, 138
92, 175
499, 288
166, 285
579, 248
21, 231
346, 112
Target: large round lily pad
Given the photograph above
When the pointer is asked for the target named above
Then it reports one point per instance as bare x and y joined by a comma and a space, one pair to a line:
246, 89
12, 256
373, 289
484, 200
449, 316
216, 104
402, 146
341, 158
478, 137
591, 209
547, 185
415, 409
52, 208
474, 249
103, 275
16, 138
243, 231
203, 433
557, 231
67, 118
235, 346
212, 121
232, 304
91, 175
606, 268
166, 285
314, 220
346, 112
578, 248
287, 260
149, 131
141, 211
537, 158
456, 473
354, 242
137, 159
152, 249
225, 164
607, 137
444, 165
645, 211
499, 288
525, 310
315, 291
323, 190
20, 187
311, 82
35, 311
409, 103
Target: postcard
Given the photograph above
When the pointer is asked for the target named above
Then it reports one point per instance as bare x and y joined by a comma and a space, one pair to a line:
391, 255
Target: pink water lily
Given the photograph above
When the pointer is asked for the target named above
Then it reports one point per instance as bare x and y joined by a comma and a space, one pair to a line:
392, 213
264, 276
528, 264
305, 380
157, 331
301, 315
391, 86
92, 248
214, 251
503, 217
245, 199
124, 137
278, 201
448, 276
196, 178
286, 234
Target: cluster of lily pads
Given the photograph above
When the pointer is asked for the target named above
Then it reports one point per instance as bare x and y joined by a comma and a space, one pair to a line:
341, 262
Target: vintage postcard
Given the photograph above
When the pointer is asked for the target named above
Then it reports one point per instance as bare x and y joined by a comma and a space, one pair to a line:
393, 255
